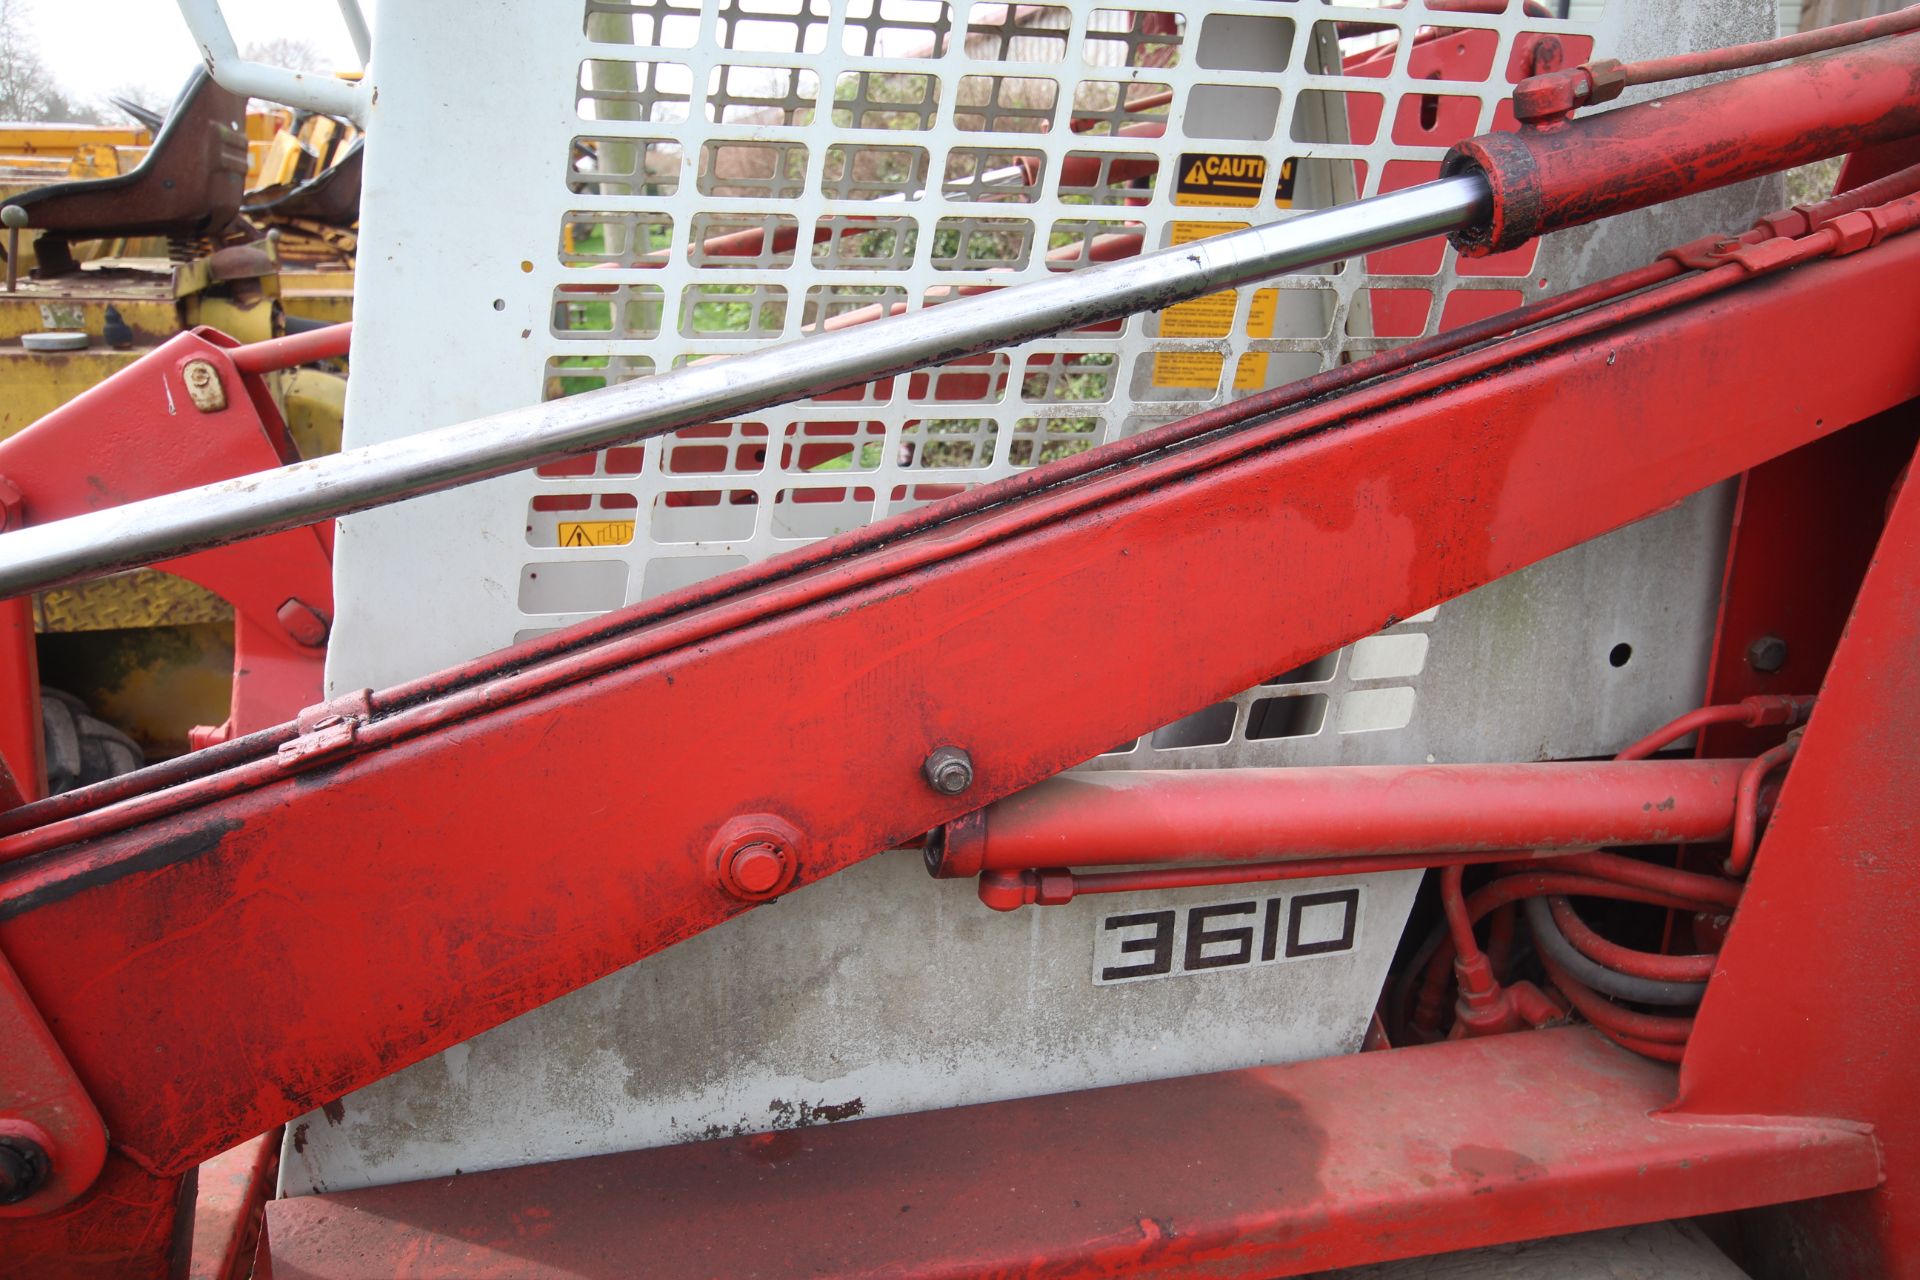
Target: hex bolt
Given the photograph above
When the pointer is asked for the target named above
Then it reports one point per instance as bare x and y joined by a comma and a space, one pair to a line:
24, 1168
1767, 654
758, 868
949, 770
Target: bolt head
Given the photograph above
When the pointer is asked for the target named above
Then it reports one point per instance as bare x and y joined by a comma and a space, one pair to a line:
203, 386
1767, 654
949, 770
24, 1168
758, 868
755, 857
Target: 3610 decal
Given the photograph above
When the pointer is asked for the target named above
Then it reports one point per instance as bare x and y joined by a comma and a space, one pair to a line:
1138, 946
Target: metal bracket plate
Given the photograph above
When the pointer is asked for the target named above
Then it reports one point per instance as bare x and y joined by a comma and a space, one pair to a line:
43, 1107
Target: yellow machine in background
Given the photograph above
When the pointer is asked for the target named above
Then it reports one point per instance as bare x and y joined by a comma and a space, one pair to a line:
211, 215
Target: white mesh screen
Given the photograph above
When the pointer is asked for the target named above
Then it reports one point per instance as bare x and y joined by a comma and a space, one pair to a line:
755, 170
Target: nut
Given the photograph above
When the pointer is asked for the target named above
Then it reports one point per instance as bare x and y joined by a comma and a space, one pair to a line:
24, 1168
1767, 654
949, 770
203, 386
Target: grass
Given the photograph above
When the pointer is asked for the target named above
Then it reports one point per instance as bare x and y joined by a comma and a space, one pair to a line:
1812, 182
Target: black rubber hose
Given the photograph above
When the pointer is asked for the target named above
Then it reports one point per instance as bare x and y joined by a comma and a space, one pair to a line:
1621, 986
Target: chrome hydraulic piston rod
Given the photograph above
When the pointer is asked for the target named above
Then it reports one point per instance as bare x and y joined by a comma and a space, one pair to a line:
153, 529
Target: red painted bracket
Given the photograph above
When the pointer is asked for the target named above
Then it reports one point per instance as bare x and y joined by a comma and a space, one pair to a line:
193, 412
52, 1140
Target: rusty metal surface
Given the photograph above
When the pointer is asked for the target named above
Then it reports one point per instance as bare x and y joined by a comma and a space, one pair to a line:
1262, 1173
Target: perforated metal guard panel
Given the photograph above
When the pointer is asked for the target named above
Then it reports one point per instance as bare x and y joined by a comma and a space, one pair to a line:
755, 170
545, 199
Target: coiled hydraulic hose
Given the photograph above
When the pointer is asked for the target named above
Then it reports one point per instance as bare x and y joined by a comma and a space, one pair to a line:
1608, 982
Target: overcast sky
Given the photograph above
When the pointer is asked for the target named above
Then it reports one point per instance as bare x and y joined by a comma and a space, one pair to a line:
103, 46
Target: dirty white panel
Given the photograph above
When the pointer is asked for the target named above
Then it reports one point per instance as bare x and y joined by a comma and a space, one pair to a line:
876, 992
484, 284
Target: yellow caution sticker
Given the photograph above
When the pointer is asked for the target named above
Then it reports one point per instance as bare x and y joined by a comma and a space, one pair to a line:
1221, 180
595, 533
1212, 179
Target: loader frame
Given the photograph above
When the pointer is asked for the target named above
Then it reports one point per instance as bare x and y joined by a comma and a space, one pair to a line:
469, 848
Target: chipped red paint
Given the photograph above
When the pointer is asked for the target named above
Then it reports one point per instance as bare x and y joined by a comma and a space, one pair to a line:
1610, 162
1250, 1174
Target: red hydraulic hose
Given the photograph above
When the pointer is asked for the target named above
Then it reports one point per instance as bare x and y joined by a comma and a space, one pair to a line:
1753, 713
1746, 821
1614, 868
1692, 722
1500, 938
1640, 964
1433, 971
1052, 887
1682, 66
1673, 1053
1454, 899
1610, 1017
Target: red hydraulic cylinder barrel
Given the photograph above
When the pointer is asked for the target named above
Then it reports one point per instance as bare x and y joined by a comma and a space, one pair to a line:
1595, 166
1230, 815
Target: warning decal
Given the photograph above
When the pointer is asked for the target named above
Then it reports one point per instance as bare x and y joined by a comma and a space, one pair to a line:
595, 533
1225, 180
1213, 179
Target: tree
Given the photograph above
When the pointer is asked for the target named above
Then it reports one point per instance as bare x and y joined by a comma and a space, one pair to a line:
284, 51
27, 90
